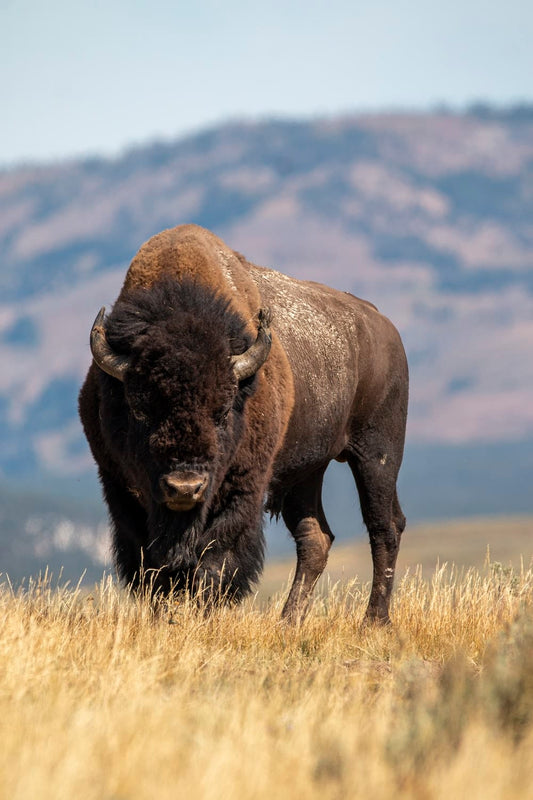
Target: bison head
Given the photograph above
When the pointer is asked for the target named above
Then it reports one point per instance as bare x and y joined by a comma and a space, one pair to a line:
179, 366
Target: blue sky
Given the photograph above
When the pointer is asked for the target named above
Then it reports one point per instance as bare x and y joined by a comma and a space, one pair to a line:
95, 77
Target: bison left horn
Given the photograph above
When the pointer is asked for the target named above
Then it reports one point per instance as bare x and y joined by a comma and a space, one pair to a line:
247, 364
112, 363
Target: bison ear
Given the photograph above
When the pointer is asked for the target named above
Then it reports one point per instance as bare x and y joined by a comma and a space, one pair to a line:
247, 364
109, 361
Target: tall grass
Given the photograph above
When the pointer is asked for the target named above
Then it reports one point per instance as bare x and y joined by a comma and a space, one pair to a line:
104, 696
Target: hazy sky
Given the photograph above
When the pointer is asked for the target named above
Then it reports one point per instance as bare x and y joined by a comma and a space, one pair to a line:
95, 76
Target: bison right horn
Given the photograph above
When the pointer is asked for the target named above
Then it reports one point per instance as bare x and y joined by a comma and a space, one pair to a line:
112, 363
247, 364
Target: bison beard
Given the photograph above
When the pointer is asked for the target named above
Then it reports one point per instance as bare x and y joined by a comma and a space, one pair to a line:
196, 412
201, 557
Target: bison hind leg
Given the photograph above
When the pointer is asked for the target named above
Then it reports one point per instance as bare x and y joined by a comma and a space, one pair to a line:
304, 516
375, 477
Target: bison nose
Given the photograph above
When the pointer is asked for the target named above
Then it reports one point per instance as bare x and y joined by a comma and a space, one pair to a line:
183, 490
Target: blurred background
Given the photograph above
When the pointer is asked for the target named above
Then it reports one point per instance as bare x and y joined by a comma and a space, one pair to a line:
384, 148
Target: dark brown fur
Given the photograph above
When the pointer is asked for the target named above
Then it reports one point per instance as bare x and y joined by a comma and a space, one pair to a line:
333, 387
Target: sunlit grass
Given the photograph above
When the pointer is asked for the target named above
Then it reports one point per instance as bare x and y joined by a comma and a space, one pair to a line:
104, 696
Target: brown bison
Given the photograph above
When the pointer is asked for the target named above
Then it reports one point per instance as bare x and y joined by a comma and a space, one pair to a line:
218, 389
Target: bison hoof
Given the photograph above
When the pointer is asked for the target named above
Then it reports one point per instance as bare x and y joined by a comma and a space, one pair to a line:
375, 616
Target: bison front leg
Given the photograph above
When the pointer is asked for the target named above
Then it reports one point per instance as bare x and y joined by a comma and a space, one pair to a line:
304, 516
128, 522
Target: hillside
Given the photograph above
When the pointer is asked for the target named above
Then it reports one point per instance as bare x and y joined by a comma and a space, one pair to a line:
427, 215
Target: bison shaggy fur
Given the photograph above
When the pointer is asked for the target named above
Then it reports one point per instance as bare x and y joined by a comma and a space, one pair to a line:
220, 389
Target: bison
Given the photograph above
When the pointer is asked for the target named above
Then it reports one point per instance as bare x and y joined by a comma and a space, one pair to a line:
219, 389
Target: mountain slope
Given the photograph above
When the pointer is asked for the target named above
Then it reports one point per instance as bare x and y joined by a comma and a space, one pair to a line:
429, 216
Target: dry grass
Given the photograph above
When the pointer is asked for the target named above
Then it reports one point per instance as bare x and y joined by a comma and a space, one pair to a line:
101, 697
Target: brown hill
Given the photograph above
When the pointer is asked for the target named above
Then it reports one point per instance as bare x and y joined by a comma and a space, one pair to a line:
427, 215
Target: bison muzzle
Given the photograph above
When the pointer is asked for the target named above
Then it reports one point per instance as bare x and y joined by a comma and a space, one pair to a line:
219, 389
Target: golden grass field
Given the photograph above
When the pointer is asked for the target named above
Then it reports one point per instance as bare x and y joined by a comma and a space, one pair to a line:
104, 696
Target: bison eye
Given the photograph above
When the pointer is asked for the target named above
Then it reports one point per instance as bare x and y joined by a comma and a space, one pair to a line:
138, 415
221, 417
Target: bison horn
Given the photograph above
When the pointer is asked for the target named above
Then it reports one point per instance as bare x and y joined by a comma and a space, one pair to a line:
247, 364
112, 363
